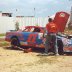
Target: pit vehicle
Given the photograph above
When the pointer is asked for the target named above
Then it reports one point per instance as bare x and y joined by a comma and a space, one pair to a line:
32, 36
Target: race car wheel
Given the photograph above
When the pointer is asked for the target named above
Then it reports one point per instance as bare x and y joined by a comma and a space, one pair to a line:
60, 47
14, 42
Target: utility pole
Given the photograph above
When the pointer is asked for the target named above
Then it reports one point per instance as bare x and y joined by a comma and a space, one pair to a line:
71, 15
16, 11
34, 12
70, 21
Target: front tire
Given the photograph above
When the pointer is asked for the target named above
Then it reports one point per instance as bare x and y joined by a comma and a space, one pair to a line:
14, 42
60, 47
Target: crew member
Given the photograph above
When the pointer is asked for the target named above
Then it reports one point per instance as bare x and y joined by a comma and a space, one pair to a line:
52, 30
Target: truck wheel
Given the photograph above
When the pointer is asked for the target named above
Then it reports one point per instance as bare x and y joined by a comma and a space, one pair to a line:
15, 42
60, 47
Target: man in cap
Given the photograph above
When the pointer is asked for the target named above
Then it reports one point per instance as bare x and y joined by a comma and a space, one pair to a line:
51, 39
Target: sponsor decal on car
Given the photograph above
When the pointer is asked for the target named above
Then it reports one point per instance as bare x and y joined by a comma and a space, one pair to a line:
62, 15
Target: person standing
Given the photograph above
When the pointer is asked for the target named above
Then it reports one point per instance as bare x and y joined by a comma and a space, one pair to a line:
51, 30
16, 26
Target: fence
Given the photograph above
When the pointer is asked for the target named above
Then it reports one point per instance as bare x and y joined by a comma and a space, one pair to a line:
8, 23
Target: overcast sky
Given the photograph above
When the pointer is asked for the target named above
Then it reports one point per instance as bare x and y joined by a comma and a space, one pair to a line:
41, 8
